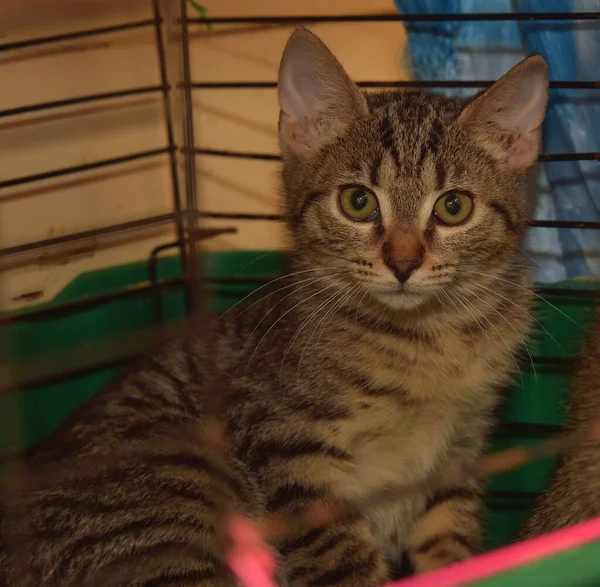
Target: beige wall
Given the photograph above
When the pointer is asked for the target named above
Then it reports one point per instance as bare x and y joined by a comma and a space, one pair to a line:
224, 119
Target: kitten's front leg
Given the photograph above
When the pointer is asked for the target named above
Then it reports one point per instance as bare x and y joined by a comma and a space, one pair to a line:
342, 555
449, 529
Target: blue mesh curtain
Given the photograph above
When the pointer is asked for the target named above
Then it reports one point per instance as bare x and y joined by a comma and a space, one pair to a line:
486, 50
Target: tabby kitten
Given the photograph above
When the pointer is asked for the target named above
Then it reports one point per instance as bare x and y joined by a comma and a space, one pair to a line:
376, 361
573, 493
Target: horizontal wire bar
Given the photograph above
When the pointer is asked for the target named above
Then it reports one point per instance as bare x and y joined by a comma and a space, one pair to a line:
87, 303
94, 232
77, 35
569, 157
544, 157
512, 495
233, 85
80, 100
527, 430
241, 216
482, 16
591, 224
237, 154
79, 168
568, 292
75, 372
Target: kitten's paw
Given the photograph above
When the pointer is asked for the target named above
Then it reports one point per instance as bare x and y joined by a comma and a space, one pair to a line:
349, 573
439, 552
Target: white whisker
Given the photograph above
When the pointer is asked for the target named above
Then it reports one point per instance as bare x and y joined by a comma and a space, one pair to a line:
512, 326
360, 301
339, 257
283, 316
443, 294
491, 291
301, 327
334, 309
523, 288
530, 258
312, 279
336, 297
315, 280
471, 311
273, 281
502, 338
256, 259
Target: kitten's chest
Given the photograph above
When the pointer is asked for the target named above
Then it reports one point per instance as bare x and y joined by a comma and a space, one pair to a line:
437, 390
449, 367
391, 445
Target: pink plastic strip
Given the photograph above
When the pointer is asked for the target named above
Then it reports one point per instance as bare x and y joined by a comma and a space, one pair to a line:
248, 558
503, 559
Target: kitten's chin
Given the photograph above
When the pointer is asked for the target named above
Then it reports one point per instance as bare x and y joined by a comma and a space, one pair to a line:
401, 300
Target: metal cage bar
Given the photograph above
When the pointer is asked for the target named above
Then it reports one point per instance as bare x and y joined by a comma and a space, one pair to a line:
398, 17
168, 115
119, 28
477, 84
190, 163
81, 100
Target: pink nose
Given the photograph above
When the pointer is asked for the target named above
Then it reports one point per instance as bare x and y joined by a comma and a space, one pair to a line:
404, 268
403, 254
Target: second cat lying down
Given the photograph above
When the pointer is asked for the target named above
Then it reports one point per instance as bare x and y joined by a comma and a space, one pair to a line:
574, 494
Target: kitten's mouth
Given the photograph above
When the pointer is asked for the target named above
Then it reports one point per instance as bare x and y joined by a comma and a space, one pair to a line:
395, 289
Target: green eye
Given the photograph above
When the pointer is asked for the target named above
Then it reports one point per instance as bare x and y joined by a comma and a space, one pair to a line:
359, 204
453, 208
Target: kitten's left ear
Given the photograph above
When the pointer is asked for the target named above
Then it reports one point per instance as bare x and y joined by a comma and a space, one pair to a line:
506, 119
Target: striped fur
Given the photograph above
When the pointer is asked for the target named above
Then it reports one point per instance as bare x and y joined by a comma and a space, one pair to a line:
573, 493
335, 384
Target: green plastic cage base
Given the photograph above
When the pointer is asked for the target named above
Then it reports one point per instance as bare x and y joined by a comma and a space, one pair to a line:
114, 333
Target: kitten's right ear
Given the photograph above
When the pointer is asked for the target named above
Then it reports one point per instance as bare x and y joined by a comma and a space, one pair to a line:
317, 99
506, 119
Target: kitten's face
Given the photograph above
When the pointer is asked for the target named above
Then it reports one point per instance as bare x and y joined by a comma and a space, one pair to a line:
405, 204
407, 196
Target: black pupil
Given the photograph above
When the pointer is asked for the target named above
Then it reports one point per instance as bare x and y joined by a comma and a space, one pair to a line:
359, 199
452, 204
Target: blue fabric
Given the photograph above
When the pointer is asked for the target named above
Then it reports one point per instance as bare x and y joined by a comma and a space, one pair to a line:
486, 50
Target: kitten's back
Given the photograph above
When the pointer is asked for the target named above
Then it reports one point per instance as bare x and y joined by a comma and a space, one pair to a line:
573, 493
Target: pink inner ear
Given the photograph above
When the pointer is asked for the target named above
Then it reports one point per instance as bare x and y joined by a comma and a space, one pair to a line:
291, 100
523, 151
293, 133
512, 108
